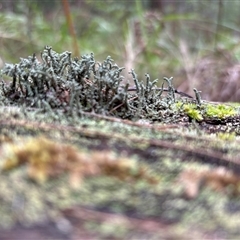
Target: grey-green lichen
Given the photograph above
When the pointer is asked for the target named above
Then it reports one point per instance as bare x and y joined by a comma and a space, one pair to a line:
80, 85
64, 87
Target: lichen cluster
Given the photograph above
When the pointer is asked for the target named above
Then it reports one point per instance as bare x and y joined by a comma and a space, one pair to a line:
59, 84
81, 85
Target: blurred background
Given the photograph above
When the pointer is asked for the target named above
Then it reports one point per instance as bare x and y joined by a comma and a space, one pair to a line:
196, 42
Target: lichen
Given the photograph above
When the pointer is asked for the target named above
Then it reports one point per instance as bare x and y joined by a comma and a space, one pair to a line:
79, 85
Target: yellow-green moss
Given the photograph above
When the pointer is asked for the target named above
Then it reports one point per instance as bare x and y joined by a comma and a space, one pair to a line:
192, 111
220, 111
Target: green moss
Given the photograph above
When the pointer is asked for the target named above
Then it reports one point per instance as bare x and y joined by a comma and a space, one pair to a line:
192, 111
209, 110
220, 111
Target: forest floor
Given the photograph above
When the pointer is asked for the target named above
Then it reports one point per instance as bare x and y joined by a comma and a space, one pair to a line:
100, 177
84, 155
